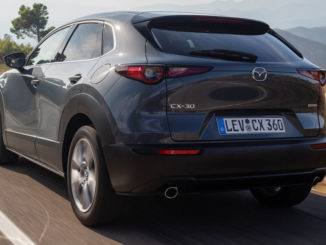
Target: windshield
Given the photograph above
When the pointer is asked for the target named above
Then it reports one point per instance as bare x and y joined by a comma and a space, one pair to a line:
266, 47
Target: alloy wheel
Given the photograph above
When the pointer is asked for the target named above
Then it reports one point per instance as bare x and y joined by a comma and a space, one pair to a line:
83, 175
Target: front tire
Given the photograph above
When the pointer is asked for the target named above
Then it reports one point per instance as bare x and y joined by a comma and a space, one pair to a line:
282, 197
90, 191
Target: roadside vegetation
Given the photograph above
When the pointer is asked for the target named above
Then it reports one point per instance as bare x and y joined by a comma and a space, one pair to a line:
9, 46
3, 68
31, 23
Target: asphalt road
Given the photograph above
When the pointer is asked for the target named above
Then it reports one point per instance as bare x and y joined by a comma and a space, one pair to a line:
35, 200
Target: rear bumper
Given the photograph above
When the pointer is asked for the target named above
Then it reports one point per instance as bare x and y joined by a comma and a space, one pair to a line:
231, 165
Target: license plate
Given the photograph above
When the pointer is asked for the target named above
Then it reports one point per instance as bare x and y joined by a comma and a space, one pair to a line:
233, 126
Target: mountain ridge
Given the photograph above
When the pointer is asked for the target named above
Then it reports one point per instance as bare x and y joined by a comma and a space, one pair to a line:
312, 50
316, 33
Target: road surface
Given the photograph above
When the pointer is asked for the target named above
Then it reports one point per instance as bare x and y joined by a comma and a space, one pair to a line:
35, 202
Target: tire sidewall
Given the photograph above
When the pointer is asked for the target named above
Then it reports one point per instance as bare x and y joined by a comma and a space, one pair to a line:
92, 215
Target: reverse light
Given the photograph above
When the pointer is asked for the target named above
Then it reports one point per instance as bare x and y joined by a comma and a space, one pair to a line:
318, 75
154, 74
178, 152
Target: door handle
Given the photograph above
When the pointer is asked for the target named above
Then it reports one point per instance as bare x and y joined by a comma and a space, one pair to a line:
74, 79
35, 83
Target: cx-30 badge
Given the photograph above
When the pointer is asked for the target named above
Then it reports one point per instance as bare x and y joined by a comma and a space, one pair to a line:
182, 106
259, 74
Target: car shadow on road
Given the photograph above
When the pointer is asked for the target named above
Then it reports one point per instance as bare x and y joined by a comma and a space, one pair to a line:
222, 218
50, 180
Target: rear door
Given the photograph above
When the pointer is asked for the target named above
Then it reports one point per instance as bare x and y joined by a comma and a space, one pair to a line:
77, 58
252, 90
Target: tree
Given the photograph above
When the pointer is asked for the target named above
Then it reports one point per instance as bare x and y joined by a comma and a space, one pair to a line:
31, 22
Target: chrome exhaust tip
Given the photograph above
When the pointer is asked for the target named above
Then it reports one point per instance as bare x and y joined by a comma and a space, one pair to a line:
171, 192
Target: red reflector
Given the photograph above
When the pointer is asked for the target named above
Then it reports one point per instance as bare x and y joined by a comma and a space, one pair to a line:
179, 152
317, 75
318, 146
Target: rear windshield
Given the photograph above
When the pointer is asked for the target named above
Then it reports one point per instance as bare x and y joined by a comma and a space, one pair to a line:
265, 46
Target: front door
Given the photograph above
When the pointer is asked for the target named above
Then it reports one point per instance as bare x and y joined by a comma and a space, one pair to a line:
20, 113
21, 96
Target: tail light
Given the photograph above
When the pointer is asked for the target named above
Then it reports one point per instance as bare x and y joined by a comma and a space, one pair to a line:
147, 74
318, 75
154, 74
185, 71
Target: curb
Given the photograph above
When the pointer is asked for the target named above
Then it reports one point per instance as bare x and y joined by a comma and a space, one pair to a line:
318, 192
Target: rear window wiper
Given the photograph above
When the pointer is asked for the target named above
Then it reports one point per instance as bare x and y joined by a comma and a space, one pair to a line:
226, 55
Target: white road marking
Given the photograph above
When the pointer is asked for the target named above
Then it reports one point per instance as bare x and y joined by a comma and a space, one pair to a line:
12, 232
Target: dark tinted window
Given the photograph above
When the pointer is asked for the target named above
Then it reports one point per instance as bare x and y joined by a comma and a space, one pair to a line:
47, 51
108, 40
85, 43
267, 47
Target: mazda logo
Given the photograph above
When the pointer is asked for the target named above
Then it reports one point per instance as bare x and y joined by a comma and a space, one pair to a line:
259, 74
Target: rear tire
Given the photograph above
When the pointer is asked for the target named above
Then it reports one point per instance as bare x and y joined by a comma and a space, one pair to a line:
282, 197
6, 157
91, 194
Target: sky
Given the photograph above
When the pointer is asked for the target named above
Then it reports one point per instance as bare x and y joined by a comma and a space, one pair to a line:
61, 11
278, 13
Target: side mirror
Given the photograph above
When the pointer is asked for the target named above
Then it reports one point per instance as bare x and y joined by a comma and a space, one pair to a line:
16, 60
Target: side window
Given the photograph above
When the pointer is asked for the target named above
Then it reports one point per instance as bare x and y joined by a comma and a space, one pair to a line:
108, 39
46, 52
85, 43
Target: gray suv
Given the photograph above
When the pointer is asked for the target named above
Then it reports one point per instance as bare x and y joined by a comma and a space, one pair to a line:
153, 103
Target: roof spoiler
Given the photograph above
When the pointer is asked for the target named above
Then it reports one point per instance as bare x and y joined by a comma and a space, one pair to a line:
203, 23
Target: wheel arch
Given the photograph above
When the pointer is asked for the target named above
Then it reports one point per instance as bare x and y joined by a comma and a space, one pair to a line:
84, 109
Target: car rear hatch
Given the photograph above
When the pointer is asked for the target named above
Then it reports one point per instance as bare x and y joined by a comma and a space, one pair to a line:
247, 84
